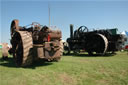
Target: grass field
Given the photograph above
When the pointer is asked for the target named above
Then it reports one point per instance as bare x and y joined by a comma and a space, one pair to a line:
71, 70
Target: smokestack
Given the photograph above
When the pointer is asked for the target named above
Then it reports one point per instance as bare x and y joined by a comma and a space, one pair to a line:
49, 14
71, 30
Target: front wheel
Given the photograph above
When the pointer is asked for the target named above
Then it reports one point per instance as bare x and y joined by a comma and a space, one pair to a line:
66, 50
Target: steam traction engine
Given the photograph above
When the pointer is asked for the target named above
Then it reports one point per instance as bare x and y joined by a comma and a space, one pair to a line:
93, 42
34, 42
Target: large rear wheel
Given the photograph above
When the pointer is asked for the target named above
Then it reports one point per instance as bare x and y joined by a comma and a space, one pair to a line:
22, 45
98, 44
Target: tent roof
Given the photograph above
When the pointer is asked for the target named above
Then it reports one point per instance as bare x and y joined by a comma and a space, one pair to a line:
126, 33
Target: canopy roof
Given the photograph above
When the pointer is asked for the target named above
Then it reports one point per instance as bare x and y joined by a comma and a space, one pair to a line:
125, 33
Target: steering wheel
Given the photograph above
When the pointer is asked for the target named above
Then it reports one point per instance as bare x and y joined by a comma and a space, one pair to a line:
36, 26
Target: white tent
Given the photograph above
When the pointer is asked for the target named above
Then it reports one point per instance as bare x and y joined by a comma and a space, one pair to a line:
123, 33
126, 35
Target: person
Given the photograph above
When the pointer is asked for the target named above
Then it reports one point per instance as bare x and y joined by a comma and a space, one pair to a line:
5, 49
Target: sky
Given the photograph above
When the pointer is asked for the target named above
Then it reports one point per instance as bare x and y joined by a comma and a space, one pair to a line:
95, 14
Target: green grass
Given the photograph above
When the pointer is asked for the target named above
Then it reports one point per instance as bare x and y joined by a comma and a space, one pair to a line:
71, 70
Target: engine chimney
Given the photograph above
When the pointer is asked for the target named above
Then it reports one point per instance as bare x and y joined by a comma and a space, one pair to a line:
71, 30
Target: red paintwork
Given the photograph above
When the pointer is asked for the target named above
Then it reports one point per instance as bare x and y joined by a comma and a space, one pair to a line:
126, 47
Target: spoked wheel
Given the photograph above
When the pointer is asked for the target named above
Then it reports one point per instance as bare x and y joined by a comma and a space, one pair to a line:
76, 49
82, 29
66, 49
98, 44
